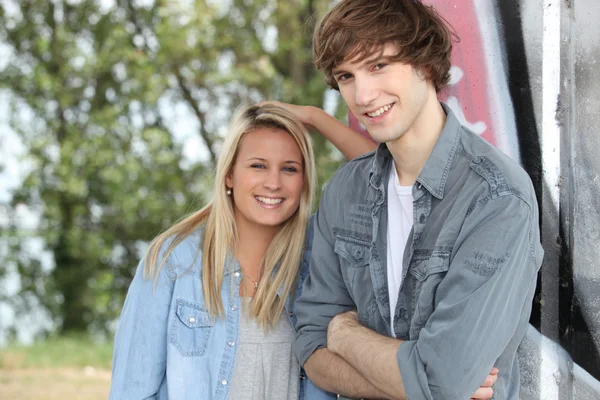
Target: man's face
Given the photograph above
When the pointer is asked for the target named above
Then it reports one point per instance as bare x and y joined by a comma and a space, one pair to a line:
386, 96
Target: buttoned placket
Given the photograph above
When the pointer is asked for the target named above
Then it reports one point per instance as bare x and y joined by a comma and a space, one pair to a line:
378, 264
421, 211
233, 319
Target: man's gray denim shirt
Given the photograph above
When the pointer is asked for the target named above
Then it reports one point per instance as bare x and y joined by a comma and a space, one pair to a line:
469, 266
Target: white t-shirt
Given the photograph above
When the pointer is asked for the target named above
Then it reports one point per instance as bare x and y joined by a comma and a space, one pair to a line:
400, 222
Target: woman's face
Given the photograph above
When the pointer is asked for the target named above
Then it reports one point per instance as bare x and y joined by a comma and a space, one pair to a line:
267, 179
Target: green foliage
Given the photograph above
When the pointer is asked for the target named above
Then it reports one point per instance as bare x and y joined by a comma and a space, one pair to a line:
90, 87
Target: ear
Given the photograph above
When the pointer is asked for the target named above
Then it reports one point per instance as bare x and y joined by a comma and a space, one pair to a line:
229, 179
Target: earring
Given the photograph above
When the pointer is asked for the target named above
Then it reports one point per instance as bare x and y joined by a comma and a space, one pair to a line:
228, 192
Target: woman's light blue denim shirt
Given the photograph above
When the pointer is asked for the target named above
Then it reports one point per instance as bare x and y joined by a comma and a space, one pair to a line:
168, 347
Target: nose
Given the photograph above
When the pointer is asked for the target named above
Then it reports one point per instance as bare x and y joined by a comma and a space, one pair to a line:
365, 92
273, 179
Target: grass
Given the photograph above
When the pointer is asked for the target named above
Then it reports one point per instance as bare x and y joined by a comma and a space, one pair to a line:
58, 368
58, 352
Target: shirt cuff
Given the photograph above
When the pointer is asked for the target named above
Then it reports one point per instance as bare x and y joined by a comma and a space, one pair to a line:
307, 343
412, 370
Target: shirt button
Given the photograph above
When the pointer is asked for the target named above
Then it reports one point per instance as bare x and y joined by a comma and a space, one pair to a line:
192, 320
231, 343
236, 274
233, 308
422, 218
477, 160
224, 382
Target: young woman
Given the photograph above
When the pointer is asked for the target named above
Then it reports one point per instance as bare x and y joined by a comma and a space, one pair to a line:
209, 314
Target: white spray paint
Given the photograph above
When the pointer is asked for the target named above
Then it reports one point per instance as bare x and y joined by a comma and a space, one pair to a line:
550, 144
501, 105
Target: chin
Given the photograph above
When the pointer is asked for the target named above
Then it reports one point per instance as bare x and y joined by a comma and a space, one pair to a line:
383, 138
270, 223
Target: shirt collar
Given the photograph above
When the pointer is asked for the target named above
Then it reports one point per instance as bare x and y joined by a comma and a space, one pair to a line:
434, 174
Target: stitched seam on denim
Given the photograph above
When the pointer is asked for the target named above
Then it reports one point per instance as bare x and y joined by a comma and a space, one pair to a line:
531, 249
492, 175
438, 251
422, 275
352, 259
351, 236
453, 152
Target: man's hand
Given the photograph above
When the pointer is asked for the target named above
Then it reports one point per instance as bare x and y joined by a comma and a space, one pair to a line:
337, 327
303, 113
485, 391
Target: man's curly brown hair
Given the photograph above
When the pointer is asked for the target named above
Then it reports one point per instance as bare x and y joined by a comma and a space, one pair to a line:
355, 30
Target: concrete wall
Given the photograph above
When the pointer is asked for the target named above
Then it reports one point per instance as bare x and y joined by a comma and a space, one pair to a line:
526, 76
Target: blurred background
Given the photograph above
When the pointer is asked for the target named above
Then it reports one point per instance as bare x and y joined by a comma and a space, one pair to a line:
112, 113
111, 116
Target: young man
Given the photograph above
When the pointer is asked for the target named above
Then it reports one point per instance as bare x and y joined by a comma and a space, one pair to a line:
426, 251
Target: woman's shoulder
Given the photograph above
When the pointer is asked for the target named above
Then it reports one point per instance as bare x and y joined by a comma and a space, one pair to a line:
186, 256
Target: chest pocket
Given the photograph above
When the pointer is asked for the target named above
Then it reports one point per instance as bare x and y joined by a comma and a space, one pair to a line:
426, 273
191, 328
355, 257
356, 254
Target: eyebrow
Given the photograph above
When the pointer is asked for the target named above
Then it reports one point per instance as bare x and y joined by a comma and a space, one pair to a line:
265, 160
376, 59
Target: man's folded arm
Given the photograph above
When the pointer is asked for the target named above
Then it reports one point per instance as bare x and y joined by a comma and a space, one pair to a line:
324, 295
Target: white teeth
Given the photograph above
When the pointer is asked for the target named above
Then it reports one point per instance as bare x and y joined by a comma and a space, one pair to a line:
377, 113
266, 200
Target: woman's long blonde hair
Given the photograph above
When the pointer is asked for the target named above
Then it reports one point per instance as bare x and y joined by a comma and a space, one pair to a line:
284, 254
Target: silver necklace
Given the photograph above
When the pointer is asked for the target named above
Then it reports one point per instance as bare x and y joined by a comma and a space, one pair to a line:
255, 283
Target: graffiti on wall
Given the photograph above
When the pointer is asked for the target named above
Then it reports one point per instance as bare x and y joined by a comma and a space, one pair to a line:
496, 89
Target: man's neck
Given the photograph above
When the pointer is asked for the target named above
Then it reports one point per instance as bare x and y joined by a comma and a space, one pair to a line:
412, 149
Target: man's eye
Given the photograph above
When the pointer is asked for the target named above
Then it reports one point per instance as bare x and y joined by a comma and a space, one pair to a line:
379, 66
343, 77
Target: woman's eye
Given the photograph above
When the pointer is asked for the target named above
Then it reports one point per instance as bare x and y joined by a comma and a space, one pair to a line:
379, 66
258, 166
290, 169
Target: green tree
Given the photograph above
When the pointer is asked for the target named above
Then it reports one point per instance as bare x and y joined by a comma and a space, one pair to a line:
105, 171
90, 87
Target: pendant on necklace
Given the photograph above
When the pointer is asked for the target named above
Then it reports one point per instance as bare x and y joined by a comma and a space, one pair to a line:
255, 285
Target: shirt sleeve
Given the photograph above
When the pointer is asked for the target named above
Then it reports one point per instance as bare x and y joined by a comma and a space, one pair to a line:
324, 293
479, 305
140, 349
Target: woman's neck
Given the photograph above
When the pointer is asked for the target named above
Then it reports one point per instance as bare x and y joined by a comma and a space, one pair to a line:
252, 246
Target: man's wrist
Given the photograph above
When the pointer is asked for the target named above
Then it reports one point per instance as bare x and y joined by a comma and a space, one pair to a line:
310, 115
344, 333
